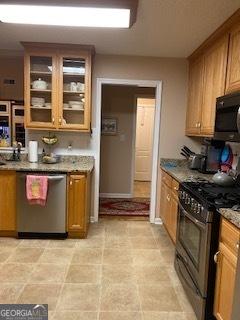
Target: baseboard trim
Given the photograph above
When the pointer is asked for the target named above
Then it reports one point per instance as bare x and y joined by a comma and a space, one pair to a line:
116, 195
158, 221
92, 220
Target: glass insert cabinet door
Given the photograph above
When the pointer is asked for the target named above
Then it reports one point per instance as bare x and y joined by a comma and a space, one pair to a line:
40, 94
74, 104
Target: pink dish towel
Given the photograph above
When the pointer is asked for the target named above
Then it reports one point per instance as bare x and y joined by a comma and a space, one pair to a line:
36, 189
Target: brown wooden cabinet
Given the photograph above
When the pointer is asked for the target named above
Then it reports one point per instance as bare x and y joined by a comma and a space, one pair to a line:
78, 205
8, 203
57, 83
226, 270
207, 74
233, 70
195, 87
215, 66
169, 204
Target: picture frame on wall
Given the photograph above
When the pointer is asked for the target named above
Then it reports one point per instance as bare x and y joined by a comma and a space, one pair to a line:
109, 126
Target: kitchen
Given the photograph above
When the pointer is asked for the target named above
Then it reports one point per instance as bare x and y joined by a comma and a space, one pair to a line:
80, 148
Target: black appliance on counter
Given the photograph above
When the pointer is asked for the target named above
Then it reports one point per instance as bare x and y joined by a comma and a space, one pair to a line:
197, 240
211, 152
227, 121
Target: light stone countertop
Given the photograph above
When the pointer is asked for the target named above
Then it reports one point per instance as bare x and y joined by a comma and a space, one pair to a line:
67, 164
181, 173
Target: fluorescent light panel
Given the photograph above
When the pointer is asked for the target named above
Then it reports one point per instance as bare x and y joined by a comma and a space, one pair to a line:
65, 16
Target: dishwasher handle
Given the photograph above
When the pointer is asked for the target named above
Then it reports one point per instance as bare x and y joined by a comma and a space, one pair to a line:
50, 178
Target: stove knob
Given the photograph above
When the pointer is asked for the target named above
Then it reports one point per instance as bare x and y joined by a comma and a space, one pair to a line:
188, 199
199, 209
195, 207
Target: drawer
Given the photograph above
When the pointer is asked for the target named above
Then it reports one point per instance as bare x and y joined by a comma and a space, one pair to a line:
175, 187
167, 179
230, 236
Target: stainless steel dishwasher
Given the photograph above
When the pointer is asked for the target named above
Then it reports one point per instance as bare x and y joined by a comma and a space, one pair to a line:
35, 221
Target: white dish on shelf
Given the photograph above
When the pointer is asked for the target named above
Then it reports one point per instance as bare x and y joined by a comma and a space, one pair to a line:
38, 106
65, 105
37, 102
76, 105
48, 105
39, 84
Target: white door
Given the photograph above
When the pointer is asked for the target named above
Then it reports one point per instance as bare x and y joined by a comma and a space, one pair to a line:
144, 141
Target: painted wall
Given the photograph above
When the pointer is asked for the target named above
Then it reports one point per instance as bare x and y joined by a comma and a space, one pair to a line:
11, 68
174, 74
117, 150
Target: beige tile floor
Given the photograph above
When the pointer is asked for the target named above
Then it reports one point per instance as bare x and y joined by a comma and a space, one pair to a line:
123, 271
142, 189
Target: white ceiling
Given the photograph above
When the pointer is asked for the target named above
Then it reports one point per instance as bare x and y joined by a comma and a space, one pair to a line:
164, 28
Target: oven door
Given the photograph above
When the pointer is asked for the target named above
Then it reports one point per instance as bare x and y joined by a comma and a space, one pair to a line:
193, 244
194, 296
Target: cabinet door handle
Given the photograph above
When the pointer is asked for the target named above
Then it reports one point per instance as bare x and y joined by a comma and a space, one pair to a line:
237, 245
196, 125
70, 182
53, 120
168, 198
199, 124
216, 257
175, 188
60, 120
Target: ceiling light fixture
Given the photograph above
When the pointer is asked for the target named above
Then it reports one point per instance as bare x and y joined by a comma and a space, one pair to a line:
91, 13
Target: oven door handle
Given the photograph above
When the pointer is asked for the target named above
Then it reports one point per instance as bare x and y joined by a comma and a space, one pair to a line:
194, 220
238, 120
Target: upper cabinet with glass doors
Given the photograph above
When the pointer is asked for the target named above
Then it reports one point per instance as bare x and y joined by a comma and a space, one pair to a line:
58, 86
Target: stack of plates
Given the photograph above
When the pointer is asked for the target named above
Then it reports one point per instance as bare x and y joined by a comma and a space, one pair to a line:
37, 102
76, 105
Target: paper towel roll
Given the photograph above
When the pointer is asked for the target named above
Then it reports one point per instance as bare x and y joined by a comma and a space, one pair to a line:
33, 151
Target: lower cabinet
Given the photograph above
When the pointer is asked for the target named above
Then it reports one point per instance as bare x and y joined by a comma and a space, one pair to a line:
226, 259
169, 204
8, 203
78, 205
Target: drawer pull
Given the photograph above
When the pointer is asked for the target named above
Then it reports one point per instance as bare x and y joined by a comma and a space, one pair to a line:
168, 198
237, 245
216, 257
175, 188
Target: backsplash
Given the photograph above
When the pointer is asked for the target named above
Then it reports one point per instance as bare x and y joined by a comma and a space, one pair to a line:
173, 162
69, 143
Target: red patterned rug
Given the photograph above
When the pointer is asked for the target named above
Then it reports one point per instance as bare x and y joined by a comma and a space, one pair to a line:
126, 207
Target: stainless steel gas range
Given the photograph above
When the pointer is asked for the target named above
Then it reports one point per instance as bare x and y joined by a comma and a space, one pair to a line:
197, 240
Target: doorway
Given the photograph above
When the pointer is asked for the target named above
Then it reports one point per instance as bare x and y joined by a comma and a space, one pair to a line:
126, 146
145, 113
155, 154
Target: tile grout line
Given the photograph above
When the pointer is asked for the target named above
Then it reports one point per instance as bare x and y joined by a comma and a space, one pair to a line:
64, 282
101, 277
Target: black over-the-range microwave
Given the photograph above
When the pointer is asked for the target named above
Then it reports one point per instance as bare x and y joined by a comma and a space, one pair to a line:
227, 123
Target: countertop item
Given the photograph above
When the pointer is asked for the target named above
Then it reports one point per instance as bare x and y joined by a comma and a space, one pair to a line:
66, 164
33, 151
231, 215
223, 179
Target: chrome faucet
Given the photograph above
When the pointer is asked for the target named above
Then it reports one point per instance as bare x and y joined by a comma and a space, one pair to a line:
16, 155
